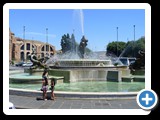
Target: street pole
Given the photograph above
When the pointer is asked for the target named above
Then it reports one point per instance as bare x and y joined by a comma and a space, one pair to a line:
117, 41
46, 41
23, 32
46, 35
24, 42
134, 42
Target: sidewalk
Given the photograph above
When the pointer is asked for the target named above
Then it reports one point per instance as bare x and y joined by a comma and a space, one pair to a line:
25, 102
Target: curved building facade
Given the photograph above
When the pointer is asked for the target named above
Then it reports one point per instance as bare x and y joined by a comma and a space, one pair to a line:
20, 48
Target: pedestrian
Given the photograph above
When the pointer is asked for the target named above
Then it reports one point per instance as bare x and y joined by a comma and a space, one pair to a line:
52, 89
45, 84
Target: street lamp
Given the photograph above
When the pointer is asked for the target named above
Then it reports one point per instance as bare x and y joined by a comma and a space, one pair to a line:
117, 41
47, 47
46, 35
23, 32
134, 42
134, 32
24, 42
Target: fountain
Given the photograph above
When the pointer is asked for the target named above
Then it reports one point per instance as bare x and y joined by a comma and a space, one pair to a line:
73, 70
80, 73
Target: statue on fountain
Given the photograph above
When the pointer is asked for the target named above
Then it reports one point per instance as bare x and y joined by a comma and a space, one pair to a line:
82, 46
139, 63
37, 62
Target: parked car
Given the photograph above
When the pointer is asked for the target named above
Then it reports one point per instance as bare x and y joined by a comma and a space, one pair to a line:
19, 63
28, 64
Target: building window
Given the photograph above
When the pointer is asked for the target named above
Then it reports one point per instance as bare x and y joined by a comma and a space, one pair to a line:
33, 46
28, 46
22, 56
42, 48
27, 55
51, 49
42, 55
47, 47
51, 54
22, 47
13, 51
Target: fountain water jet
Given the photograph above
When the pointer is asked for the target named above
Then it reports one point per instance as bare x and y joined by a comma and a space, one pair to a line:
75, 68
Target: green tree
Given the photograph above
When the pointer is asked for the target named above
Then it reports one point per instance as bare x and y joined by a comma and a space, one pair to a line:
132, 47
129, 49
115, 48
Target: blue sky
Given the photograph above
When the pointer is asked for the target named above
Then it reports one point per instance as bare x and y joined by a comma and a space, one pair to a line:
98, 25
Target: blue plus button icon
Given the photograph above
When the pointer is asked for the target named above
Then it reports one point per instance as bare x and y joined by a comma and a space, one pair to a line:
147, 99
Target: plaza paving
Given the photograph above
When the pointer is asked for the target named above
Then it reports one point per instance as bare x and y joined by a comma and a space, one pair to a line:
24, 102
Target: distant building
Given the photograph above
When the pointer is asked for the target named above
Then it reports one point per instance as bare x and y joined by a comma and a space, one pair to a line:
19, 48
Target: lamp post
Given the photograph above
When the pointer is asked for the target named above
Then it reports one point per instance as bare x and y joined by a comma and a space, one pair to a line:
24, 58
134, 42
23, 32
117, 41
46, 35
46, 41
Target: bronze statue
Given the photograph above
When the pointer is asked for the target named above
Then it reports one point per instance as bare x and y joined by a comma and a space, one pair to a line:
37, 62
140, 61
82, 46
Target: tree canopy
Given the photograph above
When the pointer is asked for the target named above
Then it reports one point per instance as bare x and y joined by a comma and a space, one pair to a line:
129, 49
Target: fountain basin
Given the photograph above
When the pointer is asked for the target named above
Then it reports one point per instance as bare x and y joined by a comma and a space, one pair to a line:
24, 78
33, 82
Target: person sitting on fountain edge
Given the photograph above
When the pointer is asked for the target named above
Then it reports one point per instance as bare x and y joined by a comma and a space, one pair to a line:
44, 84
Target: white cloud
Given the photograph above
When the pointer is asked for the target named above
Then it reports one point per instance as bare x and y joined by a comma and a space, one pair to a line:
40, 34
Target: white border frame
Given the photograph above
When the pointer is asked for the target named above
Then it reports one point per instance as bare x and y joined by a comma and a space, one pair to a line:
9, 6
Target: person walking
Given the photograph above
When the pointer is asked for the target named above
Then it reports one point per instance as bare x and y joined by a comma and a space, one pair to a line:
45, 84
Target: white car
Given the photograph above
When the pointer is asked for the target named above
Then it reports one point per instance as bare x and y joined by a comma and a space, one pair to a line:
28, 64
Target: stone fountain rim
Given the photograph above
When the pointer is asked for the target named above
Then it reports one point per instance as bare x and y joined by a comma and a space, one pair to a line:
86, 95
